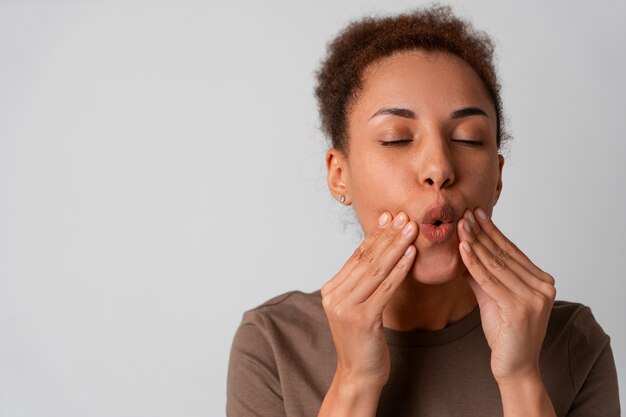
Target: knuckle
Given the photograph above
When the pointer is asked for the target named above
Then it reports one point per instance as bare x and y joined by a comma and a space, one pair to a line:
327, 303
339, 311
549, 278
550, 292
490, 279
503, 254
497, 263
374, 269
358, 253
367, 256
511, 247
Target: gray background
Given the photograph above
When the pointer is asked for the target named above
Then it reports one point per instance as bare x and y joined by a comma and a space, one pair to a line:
161, 171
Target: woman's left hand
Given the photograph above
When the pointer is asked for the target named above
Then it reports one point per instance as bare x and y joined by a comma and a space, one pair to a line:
515, 297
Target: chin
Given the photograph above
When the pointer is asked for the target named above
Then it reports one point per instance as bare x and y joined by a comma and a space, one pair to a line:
435, 266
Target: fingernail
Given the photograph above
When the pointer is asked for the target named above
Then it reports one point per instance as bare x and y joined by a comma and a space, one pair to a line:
409, 251
383, 219
466, 246
466, 226
471, 217
481, 214
399, 221
407, 229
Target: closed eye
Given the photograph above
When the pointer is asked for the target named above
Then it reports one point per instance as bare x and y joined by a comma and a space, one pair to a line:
468, 142
402, 142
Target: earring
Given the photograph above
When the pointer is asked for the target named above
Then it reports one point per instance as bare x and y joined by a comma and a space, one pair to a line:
342, 199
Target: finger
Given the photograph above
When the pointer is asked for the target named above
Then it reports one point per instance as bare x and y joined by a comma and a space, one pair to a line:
481, 297
509, 253
495, 264
386, 289
369, 264
488, 282
365, 260
368, 277
497, 257
509, 247
359, 254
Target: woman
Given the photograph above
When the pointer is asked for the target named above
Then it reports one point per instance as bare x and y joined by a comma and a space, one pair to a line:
437, 313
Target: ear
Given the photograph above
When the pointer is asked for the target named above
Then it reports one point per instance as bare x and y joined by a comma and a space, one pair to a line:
336, 174
499, 185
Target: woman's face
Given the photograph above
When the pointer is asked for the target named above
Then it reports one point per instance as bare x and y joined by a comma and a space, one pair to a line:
421, 140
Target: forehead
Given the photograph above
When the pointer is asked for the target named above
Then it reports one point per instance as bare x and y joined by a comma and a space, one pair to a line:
421, 81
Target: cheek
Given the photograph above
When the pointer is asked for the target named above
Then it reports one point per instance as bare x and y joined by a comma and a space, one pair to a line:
377, 188
483, 184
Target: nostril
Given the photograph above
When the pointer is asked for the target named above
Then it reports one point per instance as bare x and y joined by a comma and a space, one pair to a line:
430, 181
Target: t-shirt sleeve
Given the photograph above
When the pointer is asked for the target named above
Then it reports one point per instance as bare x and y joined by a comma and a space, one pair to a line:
253, 383
592, 369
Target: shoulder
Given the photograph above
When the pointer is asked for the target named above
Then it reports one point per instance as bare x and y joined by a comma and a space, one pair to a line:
292, 300
293, 311
282, 357
267, 339
574, 325
575, 337
279, 318
290, 303
288, 325
576, 321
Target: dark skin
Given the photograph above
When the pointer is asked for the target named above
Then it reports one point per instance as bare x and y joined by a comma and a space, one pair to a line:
422, 133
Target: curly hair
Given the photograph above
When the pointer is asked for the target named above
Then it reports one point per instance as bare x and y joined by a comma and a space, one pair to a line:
365, 41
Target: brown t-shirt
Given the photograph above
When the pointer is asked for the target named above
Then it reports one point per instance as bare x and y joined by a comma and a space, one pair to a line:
283, 360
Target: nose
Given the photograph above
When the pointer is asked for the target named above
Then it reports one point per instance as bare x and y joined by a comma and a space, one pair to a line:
435, 164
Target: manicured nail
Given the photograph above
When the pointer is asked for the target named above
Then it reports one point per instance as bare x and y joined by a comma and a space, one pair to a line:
407, 229
409, 251
466, 226
383, 219
471, 217
399, 221
466, 246
481, 214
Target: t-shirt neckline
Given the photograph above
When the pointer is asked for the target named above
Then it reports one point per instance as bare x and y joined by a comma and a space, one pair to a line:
454, 331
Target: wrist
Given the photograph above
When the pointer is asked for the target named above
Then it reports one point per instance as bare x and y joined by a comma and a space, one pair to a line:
360, 380
525, 395
350, 397
352, 385
529, 376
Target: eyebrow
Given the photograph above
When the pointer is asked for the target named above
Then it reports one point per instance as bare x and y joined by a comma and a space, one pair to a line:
468, 111
394, 111
409, 114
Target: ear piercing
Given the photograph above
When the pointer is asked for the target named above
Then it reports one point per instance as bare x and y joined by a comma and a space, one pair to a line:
342, 199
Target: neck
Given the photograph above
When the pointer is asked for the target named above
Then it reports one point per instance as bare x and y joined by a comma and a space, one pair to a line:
417, 306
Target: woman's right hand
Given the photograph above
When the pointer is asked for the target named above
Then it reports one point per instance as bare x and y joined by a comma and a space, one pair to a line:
354, 300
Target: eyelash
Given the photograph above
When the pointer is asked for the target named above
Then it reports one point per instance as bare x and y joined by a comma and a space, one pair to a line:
404, 142
468, 142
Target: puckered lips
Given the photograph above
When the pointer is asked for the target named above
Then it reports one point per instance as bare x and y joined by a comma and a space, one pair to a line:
438, 223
